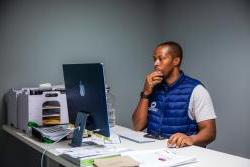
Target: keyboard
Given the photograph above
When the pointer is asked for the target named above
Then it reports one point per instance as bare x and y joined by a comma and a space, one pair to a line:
132, 135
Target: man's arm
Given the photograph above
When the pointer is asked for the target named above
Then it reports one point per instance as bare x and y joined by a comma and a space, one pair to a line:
140, 115
206, 134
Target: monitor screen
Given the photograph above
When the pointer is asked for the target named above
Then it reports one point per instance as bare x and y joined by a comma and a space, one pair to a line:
85, 92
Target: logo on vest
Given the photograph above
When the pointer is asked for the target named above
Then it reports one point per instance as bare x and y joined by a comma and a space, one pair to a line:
153, 107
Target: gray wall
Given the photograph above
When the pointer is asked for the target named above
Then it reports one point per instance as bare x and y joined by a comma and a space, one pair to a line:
216, 40
37, 37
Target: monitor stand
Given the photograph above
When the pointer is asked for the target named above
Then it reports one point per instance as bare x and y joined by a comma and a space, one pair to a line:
80, 122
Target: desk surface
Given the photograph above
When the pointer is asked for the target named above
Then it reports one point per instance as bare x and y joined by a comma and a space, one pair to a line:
206, 157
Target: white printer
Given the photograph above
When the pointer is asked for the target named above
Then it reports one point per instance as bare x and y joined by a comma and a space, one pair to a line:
11, 99
43, 106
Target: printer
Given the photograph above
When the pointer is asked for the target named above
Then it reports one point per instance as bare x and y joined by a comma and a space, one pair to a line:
42, 106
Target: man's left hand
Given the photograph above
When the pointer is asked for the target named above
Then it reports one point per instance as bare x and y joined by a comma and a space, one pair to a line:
180, 140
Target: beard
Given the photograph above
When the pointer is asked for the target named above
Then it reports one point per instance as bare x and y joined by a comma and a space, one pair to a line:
167, 73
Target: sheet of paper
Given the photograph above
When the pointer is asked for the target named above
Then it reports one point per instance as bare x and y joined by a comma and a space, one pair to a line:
160, 158
80, 152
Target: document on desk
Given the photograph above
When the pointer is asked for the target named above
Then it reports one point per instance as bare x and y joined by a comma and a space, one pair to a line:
82, 155
160, 158
81, 152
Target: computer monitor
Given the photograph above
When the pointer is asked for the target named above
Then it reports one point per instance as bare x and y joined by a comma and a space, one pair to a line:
85, 93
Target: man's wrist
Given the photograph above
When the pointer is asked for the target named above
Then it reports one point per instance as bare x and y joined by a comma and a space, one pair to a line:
144, 95
193, 138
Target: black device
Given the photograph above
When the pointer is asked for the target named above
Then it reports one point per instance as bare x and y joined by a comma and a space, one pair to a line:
85, 93
158, 137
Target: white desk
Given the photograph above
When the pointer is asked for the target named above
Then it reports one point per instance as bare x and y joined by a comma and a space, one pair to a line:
206, 157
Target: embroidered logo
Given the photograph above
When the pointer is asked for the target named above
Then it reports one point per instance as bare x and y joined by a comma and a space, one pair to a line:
82, 89
153, 107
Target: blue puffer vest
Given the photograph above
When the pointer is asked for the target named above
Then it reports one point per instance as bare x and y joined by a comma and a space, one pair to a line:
168, 108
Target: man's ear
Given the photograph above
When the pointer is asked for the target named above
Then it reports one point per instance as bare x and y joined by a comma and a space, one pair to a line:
177, 61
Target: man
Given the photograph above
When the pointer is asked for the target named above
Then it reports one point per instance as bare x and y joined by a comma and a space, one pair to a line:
174, 105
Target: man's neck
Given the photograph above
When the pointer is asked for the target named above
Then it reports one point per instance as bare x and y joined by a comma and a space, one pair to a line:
174, 76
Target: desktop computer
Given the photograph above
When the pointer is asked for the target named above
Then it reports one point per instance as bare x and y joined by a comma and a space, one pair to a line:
86, 99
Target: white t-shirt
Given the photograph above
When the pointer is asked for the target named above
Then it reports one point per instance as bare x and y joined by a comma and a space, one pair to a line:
200, 105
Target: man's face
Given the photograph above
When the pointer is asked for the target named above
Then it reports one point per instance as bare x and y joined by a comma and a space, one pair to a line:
164, 60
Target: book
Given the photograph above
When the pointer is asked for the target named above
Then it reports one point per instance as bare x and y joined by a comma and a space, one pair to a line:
84, 157
88, 161
118, 161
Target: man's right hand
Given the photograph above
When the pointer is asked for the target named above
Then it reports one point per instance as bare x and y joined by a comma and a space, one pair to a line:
151, 80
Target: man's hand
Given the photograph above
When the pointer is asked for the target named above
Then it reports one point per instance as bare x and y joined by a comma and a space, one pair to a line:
180, 140
206, 134
140, 115
151, 80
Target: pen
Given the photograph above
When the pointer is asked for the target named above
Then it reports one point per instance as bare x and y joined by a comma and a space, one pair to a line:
161, 159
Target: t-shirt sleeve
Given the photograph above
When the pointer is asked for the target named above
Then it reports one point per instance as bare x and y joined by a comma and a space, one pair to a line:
201, 106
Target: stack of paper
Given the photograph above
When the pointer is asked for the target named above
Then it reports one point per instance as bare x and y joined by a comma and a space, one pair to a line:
84, 156
88, 161
159, 158
52, 133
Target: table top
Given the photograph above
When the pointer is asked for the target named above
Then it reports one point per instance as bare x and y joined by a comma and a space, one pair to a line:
206, 157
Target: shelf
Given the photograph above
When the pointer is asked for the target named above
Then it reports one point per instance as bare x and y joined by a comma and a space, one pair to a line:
52, 115
51, 122
50, 107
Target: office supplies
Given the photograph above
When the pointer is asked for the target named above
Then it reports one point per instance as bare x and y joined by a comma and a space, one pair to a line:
87, 155
86, 98
117, 161
52, 133
43, 106
159, 158
162, 159
89, 160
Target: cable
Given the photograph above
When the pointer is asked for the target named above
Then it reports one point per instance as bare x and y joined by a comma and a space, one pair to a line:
47, 147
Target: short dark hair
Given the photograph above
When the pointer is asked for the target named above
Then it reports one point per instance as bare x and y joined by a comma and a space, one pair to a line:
176, 48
